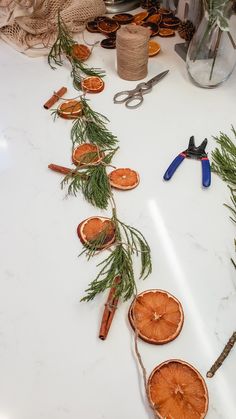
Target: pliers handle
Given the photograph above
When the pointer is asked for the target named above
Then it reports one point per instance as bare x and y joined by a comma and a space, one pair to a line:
206, 169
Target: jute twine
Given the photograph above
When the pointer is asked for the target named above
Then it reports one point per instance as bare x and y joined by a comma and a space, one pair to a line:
132, 52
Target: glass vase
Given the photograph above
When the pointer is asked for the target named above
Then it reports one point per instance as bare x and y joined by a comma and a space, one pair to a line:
211, 56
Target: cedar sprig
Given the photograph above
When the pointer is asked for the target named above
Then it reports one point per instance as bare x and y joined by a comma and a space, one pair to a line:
63, 48
224, 165
224, 158
92, 181
128, 242
92, 127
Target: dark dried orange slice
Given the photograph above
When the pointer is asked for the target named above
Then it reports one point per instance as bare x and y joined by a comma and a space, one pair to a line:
178, 391
165, 12
140, 17
171, 22
108, 25
92, 27
157, 316
108, 43
80, 52
98, 229
92, 84
70, 109
124, 179
123, 18
154, 28
166, 32
87, 154
156, 18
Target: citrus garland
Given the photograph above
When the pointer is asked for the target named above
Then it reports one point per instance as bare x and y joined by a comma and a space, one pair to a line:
93, 147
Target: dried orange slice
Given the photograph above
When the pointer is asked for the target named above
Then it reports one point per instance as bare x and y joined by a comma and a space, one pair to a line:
165, 32
86, 154
156, 18
70, 109
108, 25
165, 12
178, 391
124, 179
92, 27
140, 17
80, 51
98, 229
123, 18
92, 84
153, 48
157, 316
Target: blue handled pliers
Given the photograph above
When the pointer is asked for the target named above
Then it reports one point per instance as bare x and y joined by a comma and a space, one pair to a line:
192, 152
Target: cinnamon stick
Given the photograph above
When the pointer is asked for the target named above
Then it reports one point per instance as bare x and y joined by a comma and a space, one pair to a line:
60, 169
56, 96
217, 364
109, 311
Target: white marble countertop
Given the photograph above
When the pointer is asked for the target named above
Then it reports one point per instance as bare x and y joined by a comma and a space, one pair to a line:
52, 364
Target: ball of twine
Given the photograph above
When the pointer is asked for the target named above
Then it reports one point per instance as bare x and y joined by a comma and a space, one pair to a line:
132, 52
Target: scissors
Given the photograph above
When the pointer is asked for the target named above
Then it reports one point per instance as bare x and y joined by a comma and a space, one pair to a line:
136, 95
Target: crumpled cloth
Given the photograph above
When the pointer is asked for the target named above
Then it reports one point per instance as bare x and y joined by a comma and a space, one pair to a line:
30, 26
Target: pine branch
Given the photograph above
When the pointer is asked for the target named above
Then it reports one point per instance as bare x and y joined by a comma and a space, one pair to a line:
92, 181
224, 158
62, 45
224, 165
63, 48
129, 242
92, 127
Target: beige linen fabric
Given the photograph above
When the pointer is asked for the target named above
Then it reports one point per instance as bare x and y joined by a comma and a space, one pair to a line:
30, 25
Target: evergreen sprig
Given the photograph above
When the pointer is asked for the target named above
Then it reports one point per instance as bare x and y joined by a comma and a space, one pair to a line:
92, 181
62, 48
224, 165
92, 126
129, 242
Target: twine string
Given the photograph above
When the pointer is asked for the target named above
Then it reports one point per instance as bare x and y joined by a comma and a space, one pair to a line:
132, 52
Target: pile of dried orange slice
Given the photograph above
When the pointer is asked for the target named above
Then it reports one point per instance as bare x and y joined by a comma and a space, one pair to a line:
160, 21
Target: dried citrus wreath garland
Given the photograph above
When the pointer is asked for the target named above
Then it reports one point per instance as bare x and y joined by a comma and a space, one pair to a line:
174, 387
93, 147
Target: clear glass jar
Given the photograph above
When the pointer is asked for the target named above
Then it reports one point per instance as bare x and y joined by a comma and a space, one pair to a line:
211, 56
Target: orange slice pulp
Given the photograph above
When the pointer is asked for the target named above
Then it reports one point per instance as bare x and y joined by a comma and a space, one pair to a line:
153, 48
178, 391
99, 229
70, 109
124, 179
157, 316
86, 154
92, 84
80, 51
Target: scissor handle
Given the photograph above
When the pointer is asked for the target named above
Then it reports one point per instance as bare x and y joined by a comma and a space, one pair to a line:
136, 99
125, 95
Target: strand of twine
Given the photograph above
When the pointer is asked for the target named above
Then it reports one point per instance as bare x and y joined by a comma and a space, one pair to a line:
132, 52
142, 367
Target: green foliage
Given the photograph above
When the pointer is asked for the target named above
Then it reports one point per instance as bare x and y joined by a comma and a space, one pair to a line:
129, 243
62, 49
217, 10
224, 165
92, 181
92, 127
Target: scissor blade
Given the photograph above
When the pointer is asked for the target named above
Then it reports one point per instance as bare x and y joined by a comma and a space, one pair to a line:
157, 78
